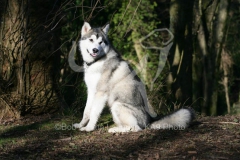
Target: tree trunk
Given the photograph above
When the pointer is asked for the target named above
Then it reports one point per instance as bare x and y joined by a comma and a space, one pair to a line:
199, 50
142, 62
28, 45
181, 54
210, 20
217, 46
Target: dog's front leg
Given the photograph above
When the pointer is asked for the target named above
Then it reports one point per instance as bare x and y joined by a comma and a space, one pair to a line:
87, 111
96, 110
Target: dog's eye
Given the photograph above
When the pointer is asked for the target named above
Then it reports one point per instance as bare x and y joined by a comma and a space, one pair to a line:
100, 42
91, 40
106, 43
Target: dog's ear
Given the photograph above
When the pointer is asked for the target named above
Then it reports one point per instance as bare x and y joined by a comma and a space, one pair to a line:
105, 28
85, 28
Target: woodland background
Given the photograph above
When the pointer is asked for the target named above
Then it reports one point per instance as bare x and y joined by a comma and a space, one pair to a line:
202, 68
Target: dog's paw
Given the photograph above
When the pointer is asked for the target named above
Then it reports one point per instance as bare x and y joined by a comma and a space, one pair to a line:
114, 130
124, 129
87, 129
77, 125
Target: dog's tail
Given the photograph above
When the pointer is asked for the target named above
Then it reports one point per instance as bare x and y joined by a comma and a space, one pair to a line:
177, 120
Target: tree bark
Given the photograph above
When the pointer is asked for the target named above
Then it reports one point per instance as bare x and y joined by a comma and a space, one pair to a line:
142, 62
210, 38
217, 46
181, 54
29, 46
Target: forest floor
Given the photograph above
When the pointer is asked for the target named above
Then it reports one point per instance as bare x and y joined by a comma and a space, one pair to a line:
52, 137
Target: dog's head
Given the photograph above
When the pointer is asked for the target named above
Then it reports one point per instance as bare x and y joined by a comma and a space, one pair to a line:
94, 43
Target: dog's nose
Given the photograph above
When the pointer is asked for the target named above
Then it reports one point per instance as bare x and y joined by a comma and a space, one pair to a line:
95, 50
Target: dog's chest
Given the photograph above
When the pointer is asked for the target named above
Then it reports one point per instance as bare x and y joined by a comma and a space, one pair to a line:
92, 80
92, 76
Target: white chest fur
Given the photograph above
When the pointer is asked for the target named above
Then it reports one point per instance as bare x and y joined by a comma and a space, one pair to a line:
92, 76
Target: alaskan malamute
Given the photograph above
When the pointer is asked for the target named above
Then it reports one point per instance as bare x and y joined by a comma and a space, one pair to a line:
111, 81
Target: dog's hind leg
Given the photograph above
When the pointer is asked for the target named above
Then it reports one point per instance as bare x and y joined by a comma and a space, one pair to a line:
124, 119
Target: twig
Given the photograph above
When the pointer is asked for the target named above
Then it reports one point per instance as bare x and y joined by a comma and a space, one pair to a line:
235, 123
132, 17
89, 17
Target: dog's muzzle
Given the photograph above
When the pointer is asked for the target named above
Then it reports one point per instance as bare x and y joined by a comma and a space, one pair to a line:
94, 53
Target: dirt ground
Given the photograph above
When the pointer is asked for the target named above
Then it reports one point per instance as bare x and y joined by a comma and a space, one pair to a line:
52, 137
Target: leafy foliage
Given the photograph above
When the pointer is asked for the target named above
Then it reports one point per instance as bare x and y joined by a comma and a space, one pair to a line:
131, 22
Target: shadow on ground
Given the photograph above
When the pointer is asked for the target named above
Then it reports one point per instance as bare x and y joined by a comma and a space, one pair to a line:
43, 140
